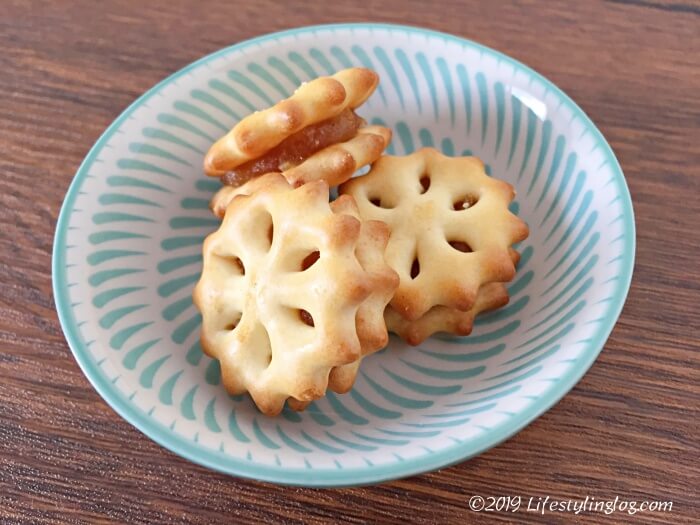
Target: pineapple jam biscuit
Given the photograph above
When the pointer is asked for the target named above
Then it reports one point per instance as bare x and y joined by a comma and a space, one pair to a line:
280, 292
314, 134
333, 164
451, 229
448, 320
369, 321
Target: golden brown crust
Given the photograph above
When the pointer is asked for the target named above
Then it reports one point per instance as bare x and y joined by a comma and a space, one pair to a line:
382, 281
336, 164
312, 102
222, 198
449, 320
444, 319
451, 228
369, 320
278, 319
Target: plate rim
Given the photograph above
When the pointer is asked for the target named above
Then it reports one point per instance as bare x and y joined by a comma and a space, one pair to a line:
448, 456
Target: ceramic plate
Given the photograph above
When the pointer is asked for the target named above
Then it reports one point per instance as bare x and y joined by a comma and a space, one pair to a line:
128, 241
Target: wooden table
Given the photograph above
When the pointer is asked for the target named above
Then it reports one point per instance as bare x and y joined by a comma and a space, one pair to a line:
629, 428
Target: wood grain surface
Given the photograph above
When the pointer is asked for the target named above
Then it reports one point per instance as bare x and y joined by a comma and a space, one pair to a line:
628, 429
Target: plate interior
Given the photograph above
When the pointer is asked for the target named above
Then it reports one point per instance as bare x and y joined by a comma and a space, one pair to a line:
128, 246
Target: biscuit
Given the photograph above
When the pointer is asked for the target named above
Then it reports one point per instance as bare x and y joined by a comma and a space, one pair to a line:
444, 319
449, 320
222, 198
369, 321
334, 164
451, 229
317, 115
280, 292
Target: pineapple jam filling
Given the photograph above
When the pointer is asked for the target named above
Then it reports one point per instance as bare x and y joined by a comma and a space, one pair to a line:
296, 148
